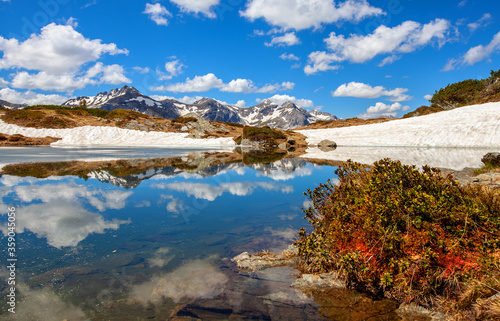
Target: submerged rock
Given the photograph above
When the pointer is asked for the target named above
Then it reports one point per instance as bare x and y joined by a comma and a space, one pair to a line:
262, 261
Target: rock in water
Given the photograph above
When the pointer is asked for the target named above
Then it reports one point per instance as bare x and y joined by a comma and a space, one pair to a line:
327, 145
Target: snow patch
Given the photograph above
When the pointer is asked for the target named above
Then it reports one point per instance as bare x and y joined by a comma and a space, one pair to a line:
471, 126
113, 136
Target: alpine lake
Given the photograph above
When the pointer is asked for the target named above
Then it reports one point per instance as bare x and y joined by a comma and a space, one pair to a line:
149, 233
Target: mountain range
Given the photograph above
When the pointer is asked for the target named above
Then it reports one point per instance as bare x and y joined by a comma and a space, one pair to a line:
285, 116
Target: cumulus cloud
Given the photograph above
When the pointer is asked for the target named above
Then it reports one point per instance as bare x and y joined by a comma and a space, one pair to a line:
57, 49
361, 90
158, 13
298, 14
384, 110
197, 6
281, 99
173, 69
289, 57
482, 22
288, 39
239, 86
428, 97
405, 38
30, 98
3, 83
98, 74
479, 53
240, 103
59, 54
197, 84
321, 61
210, 81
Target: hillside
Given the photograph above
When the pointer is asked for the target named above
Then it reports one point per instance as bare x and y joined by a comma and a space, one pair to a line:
469, 126
463, 93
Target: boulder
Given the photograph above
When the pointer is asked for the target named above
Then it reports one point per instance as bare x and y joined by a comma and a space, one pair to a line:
327, 145
492, 159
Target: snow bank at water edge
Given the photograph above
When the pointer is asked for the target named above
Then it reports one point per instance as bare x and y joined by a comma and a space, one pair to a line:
471, 126
451, 158
113, 136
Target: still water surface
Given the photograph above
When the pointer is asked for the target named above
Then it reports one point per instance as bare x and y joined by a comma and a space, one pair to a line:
114, 243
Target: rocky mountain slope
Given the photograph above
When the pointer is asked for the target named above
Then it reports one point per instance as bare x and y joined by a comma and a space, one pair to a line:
285, 116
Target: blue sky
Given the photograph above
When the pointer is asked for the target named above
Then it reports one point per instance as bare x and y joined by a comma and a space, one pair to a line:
349, 58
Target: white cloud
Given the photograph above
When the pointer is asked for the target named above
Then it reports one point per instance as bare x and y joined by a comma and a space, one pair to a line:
462, 3
321, 61
405, 38
239, 86
482, 22
210, 81
270, 88
361, 90
240, 103
158, 13
288, 39
141, 70
59, 53
30, 98
57, 49
300, 14
428, 97
389, 60
197, 84
289, 57
479, 53
197, 6
3, 83
281, 99
113, 74
384, 110
173, 68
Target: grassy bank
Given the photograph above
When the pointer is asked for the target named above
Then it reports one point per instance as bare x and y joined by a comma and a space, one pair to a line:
407, 234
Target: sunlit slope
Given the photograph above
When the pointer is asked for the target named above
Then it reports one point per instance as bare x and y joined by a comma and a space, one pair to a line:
469, 126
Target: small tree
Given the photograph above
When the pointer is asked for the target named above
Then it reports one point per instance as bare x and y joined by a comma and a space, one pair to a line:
83, 104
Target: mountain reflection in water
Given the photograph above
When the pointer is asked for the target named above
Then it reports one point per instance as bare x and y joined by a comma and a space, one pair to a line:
135, 239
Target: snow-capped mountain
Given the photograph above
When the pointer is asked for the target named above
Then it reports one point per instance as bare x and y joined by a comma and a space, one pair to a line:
8, 105
285, 116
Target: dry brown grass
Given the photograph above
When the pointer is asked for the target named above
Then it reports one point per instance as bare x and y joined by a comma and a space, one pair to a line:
344, 123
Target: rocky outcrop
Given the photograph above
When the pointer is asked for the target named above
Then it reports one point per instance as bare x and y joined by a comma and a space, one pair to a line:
491, 159
20, 140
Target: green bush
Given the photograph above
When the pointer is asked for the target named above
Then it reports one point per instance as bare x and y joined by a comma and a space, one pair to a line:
406, 234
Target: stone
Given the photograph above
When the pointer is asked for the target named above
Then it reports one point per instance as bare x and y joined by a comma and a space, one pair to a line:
316, 281
259, 262
327, 145
413, 311
492, 159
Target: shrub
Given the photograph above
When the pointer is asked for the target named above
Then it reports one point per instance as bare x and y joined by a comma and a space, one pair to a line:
122, 113
406, 234
184, 120
235, 124
23, 114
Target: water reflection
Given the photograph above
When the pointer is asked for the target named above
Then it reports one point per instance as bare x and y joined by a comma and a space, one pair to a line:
151, 238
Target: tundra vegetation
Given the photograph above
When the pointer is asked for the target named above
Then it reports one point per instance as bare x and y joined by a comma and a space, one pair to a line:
412, 235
